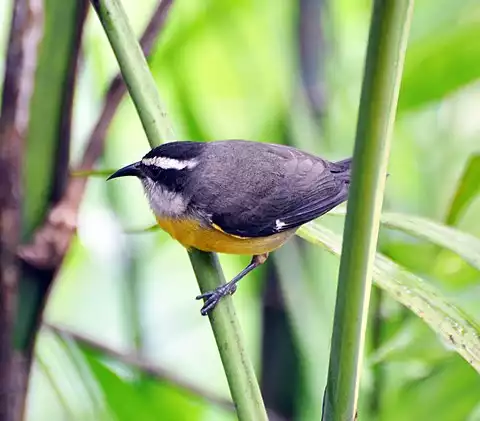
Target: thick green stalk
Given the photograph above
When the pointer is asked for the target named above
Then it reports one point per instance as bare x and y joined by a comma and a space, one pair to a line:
135, 72
384, 63
238, 368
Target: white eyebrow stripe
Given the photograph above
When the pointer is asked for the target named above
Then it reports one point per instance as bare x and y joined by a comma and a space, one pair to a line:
170, 163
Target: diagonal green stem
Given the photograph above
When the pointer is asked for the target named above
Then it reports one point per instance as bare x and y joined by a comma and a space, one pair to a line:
135, 72
384, 63
238, 367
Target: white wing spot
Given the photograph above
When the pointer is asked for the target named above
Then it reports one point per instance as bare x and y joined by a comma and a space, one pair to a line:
279, 224
170, 163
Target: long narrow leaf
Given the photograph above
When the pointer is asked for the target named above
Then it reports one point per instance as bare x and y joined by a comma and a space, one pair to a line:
465, 245
414, 293
411, 290
104, 173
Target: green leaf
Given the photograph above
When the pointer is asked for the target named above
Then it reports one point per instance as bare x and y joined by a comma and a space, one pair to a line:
46, 141
468, 188
47, 108
453, 326
178, 403
439, 64
92, 173
125, 401
465, 245
453, 386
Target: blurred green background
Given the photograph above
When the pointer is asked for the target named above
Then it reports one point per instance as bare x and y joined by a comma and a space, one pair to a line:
281, 71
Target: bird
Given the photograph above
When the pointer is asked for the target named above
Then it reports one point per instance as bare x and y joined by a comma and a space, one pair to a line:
236, 196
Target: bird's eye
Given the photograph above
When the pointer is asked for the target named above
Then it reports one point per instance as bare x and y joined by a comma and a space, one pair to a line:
151, 171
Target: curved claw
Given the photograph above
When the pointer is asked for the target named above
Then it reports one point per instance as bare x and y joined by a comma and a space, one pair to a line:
204, 295
210, 304
213, 297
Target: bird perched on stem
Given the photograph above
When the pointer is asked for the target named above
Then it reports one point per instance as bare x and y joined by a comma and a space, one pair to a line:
237, 196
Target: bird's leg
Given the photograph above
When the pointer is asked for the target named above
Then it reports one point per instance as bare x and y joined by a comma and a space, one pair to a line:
213, 297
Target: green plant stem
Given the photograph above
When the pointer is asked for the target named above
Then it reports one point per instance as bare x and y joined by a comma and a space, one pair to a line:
384, 63
135, 72
451, 324
238, 368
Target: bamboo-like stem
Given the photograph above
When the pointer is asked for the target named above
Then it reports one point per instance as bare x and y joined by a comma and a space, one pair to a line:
135, 72
238, 368
384, 63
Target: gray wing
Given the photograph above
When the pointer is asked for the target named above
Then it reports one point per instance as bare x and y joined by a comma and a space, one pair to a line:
261, 191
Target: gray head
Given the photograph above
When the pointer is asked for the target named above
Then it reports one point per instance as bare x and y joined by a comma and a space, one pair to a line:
164, 173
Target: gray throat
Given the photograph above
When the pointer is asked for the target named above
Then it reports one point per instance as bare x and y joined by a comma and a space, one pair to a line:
163, 202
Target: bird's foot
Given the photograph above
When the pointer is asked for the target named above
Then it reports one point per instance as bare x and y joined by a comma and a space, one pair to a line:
212, 298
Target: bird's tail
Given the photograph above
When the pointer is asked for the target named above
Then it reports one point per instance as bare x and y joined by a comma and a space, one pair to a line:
341, 169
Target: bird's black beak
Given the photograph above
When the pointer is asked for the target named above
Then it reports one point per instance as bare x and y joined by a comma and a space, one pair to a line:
129, 170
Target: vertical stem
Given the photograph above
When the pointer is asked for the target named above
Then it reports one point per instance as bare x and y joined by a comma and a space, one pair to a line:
238, 368
226, 329
25, 34
135, 72
384, 63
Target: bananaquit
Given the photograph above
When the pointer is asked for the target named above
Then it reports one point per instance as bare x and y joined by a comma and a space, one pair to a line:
237, 196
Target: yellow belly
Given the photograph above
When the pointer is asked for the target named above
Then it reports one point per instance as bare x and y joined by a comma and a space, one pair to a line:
193, 235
